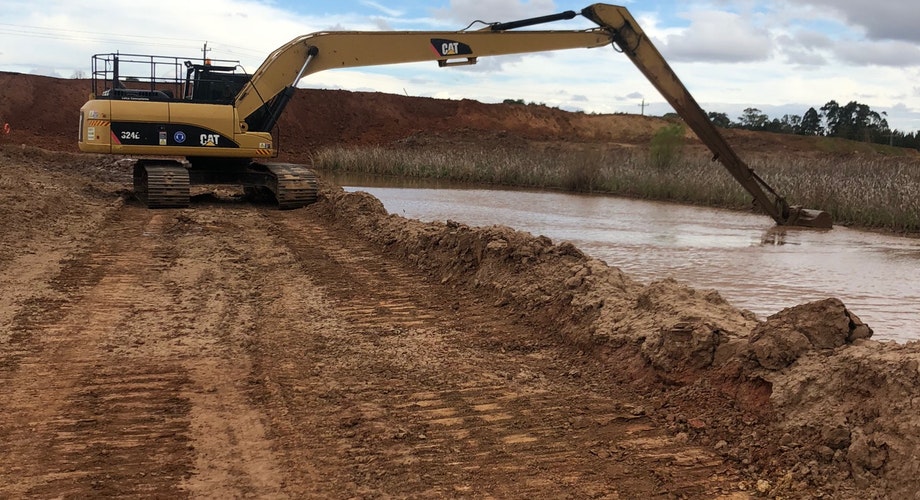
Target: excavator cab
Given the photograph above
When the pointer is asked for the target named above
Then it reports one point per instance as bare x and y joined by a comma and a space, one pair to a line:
138, 77
213, 83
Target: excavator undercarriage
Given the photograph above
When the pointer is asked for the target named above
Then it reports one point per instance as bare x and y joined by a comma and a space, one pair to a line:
162, 183
222, 120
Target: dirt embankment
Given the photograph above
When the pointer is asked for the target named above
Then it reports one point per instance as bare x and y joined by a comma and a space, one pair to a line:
43, 112
806, 400
806, 395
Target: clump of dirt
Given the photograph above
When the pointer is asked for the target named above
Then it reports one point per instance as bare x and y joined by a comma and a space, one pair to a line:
804, 396
787, 335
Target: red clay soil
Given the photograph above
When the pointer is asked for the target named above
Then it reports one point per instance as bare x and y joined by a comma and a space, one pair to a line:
43, 112
339, 351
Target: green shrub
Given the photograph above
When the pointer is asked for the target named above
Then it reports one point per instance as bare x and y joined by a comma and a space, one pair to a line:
666, 146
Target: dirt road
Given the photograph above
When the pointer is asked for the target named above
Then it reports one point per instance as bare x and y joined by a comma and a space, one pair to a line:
233, 350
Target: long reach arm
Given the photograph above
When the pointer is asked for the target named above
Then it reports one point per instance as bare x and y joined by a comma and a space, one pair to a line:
261, 101
631, 40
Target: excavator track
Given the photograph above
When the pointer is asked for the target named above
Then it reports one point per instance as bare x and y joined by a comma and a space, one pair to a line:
161, 184
294, 185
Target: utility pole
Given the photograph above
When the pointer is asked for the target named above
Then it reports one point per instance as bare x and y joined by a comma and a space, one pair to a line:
643, 106
204, 53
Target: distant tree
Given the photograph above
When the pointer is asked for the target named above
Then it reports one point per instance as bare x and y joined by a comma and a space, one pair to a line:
78, 75
879, 131
719, 119
753, 119
906, 140
811, 123
788, 124
791, 124
774, 125
513, 101
830, 112
854, 121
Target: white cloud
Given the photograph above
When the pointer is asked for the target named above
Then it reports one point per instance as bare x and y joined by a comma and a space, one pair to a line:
881, 19
465, 11
882, 53
731, 54
718, 36
382, 8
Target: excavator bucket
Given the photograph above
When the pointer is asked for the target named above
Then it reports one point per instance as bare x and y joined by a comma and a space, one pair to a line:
807, 217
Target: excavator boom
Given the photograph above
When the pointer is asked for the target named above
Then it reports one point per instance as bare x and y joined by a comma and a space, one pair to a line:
242, 126
317, 52
632, 41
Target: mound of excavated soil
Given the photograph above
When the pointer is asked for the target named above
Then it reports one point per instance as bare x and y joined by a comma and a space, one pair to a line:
804, 394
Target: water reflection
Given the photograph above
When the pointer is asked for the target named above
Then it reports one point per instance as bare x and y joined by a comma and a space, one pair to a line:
749, 260
774, 236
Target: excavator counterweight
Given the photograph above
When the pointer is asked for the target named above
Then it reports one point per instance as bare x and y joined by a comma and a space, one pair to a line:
219, 119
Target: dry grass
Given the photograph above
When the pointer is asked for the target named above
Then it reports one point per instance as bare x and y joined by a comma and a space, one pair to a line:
866, 191
869, 191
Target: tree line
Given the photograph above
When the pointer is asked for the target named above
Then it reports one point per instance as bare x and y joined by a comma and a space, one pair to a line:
854, 121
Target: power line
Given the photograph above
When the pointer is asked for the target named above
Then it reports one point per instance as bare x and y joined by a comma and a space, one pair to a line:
27, 31
95, 36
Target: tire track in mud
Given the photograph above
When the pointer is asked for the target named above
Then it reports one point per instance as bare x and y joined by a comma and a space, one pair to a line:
84, 415
415, 388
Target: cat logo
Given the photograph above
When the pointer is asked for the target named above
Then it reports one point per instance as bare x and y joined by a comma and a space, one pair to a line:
210, 139
450, 48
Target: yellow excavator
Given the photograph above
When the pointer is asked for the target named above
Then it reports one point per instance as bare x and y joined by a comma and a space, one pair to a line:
211, 123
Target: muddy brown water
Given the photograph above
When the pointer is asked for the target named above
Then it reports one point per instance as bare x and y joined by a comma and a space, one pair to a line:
745, 257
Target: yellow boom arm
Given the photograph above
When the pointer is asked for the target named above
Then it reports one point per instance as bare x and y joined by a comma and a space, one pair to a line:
273, 83
633, 42
332, 50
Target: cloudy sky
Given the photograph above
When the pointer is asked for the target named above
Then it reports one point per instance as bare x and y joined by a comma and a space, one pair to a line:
779, 56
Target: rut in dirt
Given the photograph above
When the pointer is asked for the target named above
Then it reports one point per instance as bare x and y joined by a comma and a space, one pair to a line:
431, 390
239, 351
83, 417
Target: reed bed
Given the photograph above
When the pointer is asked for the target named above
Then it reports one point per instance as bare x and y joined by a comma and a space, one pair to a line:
873, 192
